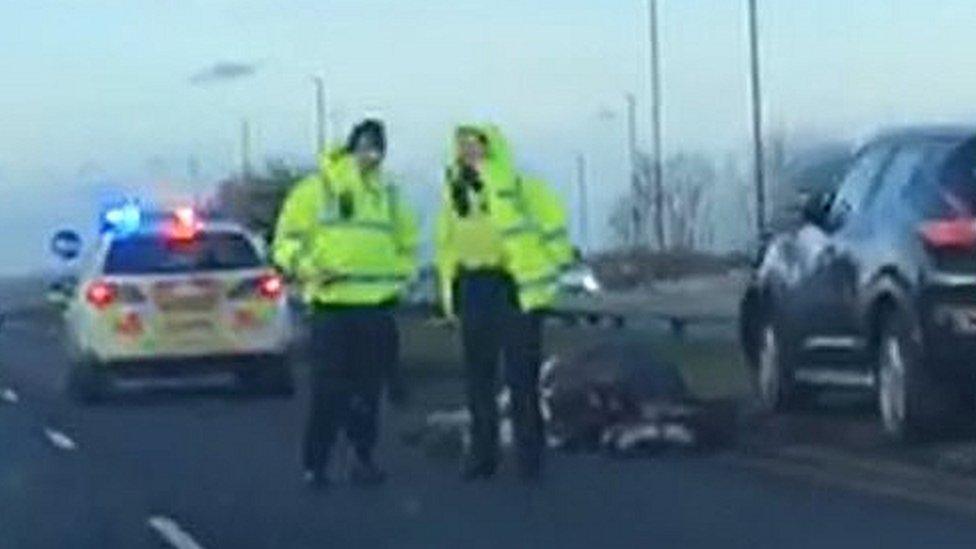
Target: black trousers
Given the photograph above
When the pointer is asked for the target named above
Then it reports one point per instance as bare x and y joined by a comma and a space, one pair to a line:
493, 328
354, 350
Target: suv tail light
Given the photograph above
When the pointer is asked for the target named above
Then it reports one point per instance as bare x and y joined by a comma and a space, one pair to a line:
957, 233
101, 294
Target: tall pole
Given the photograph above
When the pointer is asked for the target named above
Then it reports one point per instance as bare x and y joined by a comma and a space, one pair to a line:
583, 205
245, 150
757, 125
656, 125
321, 123
636, 210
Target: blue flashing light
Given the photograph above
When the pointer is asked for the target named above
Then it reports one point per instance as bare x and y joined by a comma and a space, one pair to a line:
123, 219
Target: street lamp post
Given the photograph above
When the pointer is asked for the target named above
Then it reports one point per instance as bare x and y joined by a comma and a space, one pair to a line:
321, 124
757, 125
637, 211
658, 183
583, 203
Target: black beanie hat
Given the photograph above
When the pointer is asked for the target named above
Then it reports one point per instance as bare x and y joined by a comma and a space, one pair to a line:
370, 129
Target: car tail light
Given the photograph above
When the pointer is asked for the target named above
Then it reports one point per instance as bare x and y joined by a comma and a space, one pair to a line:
268, 286
101, 294
957, 233
271, 286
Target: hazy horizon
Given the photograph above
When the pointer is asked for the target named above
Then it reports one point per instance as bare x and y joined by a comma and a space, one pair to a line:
147, 96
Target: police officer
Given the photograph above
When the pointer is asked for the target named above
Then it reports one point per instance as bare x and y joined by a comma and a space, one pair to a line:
349, 241
501, 245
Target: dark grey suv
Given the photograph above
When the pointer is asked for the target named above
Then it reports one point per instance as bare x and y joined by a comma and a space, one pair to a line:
876, 290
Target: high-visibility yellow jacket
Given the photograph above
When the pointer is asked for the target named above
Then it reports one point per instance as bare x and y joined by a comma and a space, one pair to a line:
347, 239
530, 220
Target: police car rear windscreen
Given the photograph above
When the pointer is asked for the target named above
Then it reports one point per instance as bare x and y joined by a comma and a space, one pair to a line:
151, 254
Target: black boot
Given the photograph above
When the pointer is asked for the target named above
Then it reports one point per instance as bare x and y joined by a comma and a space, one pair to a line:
529, 434
366, 473
473, 468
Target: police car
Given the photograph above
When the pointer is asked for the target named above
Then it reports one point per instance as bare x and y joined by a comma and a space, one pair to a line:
172, 293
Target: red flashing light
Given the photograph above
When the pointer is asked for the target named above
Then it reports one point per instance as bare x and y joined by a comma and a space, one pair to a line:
951, 233
100, 294
271, 286
185, 216
185, 224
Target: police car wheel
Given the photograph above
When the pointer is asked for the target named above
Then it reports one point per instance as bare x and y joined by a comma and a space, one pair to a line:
86, 384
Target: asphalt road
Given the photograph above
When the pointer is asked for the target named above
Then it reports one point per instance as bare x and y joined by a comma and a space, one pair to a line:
210, 468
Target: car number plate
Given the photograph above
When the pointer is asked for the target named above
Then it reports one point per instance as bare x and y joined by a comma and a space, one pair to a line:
183, 323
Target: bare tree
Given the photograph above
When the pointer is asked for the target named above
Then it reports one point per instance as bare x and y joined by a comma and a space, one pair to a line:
683, 197
743, 197
642, 203
622, 220
691, 178
256, 200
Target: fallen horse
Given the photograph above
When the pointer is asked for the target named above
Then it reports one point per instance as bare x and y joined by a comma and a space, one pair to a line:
614, 397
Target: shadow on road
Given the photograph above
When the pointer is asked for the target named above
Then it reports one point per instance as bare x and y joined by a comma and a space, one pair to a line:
165, 392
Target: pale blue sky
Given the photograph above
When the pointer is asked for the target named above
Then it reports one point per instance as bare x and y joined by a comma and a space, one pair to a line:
97, 97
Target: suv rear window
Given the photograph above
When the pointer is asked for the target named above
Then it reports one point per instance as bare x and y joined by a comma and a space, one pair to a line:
945, 184
149, 254
959, 180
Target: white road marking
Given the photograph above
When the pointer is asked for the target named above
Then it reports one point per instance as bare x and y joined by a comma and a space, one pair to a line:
60, 440
9, 396
172, 534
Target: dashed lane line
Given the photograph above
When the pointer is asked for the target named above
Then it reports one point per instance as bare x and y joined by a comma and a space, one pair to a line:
60, 440
172, 533
9, 396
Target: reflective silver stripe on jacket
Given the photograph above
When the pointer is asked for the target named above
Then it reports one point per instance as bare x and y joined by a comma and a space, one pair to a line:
335, 222
518, 230
370, 279
548, 280
555, 234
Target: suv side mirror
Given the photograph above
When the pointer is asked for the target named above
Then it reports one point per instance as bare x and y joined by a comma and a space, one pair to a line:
816, 207
66, 244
